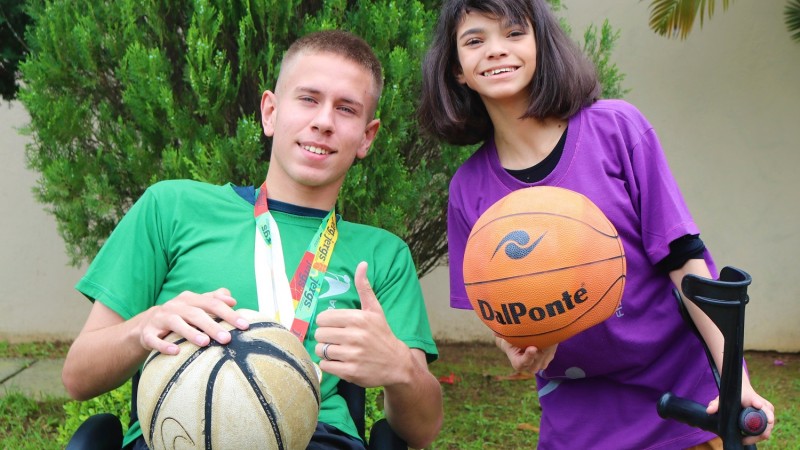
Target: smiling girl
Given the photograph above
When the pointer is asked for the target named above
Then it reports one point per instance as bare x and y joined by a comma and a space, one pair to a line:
503, 72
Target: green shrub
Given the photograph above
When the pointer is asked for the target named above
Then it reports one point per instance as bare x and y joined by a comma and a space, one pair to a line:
126, 93
373, 408
599, 48
123, 94
117, 402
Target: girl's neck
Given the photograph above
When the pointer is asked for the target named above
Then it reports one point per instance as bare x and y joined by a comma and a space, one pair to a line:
523, 143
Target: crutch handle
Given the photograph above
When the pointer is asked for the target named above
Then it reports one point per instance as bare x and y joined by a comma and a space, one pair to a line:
752, 421
687, 411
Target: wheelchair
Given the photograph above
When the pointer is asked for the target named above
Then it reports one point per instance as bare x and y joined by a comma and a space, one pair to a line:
104, 431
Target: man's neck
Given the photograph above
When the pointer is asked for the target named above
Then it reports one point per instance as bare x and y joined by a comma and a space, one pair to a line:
299, 195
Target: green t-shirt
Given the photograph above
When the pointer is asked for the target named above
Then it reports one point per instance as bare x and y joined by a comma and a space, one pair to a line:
185, 235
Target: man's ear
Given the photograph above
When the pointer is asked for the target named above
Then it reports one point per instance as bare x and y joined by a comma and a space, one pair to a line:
369, 136
269, 106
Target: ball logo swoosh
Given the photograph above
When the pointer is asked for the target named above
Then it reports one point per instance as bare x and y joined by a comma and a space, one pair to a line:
515, 244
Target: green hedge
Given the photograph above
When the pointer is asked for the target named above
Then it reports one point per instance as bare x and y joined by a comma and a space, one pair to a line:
117, 402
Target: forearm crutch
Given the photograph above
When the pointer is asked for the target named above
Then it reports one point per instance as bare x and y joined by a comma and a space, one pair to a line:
723, 301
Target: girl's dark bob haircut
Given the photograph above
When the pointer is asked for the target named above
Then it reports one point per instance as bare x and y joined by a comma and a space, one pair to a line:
564, 80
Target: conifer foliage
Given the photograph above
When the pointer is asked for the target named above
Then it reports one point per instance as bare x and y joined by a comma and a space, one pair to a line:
125, 93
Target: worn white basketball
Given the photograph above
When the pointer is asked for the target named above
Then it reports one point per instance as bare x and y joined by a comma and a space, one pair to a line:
259, 391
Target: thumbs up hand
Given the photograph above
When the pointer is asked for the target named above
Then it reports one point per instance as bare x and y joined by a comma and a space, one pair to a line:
358, 345
369, 302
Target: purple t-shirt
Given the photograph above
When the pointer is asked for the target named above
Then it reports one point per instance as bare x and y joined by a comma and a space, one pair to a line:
602, 388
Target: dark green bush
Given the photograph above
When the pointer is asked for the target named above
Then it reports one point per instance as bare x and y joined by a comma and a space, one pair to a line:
123, 94
13, 21
126, 93
116, 402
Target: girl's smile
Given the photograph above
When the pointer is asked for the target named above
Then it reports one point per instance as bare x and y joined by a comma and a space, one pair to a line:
502, 70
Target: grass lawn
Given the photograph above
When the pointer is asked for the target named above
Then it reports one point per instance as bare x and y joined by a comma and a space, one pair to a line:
26, 423
484, 409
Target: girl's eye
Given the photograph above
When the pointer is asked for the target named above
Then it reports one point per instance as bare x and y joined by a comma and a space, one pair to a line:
516, 33
472, 41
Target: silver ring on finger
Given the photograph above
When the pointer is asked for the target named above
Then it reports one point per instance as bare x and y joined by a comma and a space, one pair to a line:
325, 351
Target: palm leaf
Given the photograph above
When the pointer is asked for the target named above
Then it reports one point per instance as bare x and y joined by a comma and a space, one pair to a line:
673, 18
792, 16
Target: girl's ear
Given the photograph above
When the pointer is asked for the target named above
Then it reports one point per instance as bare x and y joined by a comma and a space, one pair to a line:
459, 74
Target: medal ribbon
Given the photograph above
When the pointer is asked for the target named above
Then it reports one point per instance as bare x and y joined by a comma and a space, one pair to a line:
274, 290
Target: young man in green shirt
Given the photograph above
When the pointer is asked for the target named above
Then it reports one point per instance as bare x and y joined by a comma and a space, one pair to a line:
187, 251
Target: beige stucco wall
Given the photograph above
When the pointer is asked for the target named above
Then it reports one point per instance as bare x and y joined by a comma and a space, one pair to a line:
723, 103
37, 300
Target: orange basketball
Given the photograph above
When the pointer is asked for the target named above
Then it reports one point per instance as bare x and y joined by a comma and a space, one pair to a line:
543, 264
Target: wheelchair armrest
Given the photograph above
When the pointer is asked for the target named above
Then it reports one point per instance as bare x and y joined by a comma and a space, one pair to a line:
381, 436
98, 432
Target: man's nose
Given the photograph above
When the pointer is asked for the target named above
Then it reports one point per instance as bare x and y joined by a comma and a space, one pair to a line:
323, 120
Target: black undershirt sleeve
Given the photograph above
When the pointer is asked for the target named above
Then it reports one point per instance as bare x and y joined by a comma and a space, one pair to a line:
681, 250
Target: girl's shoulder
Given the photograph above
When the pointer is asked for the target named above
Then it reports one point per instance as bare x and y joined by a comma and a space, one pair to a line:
617, 111
477, 164
482, 152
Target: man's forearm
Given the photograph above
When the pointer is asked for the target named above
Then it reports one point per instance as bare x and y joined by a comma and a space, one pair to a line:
414, 408
105, 354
